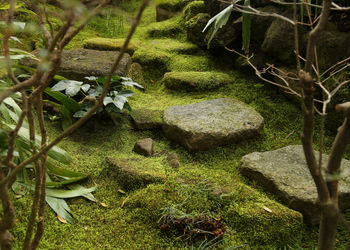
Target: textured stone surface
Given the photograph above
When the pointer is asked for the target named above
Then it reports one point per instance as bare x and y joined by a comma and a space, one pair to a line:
78, 63
144, 147
205, 125
284, 173
145, 119
173, 160
135, 173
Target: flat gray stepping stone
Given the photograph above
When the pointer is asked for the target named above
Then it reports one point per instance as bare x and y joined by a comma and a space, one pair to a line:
145, 119
208, 124
78, 63
195, 81
284, 173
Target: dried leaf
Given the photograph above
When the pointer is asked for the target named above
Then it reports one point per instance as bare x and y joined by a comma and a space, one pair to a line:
103, 204
267, 209
61, 219
124, 201
121, 191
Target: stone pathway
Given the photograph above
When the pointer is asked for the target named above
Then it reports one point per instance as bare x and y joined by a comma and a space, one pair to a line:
284, 173
205, 125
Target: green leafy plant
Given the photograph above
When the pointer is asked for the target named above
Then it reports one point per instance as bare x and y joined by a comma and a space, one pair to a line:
85, 96
57, 177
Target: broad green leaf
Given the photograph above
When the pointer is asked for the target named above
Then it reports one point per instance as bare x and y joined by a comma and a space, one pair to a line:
219, 20
11, 102
95, 90
88, 196
61, 85
73, 88
246, 27
60, 207
61, 193
129, 82
67, 102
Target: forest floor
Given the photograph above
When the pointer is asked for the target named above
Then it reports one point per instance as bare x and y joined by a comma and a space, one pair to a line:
133, 218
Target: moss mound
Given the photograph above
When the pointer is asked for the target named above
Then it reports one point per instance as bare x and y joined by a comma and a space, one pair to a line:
171, 45
192, 81
131, 175
193, 8
147, 119
172, 27
110, 44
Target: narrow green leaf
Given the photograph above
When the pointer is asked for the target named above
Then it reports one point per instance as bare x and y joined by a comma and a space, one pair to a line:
61, 193
51, 166
246, 27
60, 207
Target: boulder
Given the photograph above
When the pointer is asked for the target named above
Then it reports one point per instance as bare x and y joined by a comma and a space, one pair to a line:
194, 28
284, 173
208, 124
279, 40
193, 9
166, 9
144, 147
135, 173
145, 119
194, 81
170, 28
79, 63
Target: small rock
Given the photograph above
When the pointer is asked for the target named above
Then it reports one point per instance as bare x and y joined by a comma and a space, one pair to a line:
173, 160
135, 73
144, 147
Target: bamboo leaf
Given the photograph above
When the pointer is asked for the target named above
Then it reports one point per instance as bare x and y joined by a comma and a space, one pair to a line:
61, 208
246, 27
61, 193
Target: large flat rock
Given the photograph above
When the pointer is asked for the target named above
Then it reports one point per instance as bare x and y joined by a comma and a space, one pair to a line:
78, 63
207, 124
284, 173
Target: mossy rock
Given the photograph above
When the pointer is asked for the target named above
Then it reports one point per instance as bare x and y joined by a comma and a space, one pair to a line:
192, 9
172, 5
135, 173
256, 219
110, 44
202, 62
194, 28
155, 62
169, 28
171, 45
145, 119
194, 81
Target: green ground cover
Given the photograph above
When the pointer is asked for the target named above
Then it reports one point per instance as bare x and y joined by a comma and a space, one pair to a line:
205, 183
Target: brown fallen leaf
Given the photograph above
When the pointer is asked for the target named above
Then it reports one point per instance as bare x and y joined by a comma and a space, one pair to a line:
267, 209
103, 204
61, 219
124, 201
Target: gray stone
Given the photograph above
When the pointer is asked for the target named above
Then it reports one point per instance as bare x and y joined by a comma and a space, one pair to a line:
144, 147
279, 40
173, 160
284, 173
78, 63
145, 119
205, 125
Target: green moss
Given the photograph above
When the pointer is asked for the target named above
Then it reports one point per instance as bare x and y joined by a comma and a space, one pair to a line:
192, 81
171, 28
147, 118
132, 174
192, 63
172, 5
171, 45
193, 8
111, 44
153, 61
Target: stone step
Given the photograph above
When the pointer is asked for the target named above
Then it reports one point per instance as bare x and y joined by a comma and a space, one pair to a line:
284, 173
208, 124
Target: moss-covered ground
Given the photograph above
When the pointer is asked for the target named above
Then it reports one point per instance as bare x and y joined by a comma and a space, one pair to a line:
205, 183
